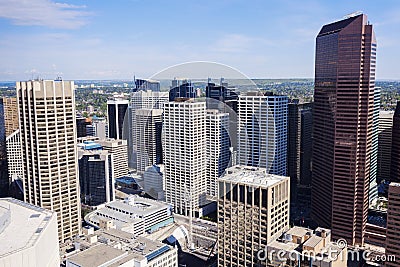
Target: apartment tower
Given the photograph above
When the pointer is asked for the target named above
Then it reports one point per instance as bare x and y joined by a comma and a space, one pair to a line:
343, 126
48, 138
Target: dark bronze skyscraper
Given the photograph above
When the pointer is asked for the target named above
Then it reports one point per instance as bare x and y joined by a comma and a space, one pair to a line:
395, 159
343, 123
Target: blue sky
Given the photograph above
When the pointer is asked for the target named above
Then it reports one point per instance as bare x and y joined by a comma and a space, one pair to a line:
116, 39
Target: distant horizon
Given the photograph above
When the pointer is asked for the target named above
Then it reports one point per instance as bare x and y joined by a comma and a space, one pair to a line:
131, 80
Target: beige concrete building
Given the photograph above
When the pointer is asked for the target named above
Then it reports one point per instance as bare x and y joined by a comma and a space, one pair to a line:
253, 210
48, 138
393, 226
119, 149
10, 115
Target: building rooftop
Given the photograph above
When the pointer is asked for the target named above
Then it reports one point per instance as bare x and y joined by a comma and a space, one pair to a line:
313, 241
251, 175
97, 256
298, 231
25, 224
337, 26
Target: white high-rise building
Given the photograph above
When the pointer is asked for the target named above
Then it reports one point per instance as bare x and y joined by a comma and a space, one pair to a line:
14, 156
262, 131
253, 210
184, 148
118, 148
48, 139
148, 128
142, 100
218, 148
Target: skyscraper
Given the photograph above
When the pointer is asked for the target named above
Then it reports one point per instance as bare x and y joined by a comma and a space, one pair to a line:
13, 147
146, 84
142, 100
116, 110
253, 210
384, 145
395, 162
393, 227
48, 138
148, 130
184, 148
119, 150
299, 145
218, 152
181, 88
96, 177
4, 181
221, 94
373, 186
262, 131
343, 126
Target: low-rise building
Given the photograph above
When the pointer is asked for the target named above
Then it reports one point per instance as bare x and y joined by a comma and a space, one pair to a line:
112, 248
301, 246
28, 235
135, 215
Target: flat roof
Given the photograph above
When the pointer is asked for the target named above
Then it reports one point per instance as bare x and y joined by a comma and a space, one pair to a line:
27, 222
97, 256
313, 241
251, 175
299, 231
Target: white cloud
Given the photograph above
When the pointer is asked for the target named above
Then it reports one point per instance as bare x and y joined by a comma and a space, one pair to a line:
43, 13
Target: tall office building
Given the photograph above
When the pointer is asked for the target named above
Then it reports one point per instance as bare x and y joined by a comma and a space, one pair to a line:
262, 131
81, 127
253, 210
117, 118
299, 145
343, 126
48, 138
222, 94
13, 147
184, 148
96, 177
181, 88
146, 84
384, 145
218, 152
119, 150
98, 128
4, 181
373, 186
393, 227
395, 159
148, 130
142, 100
14, 156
